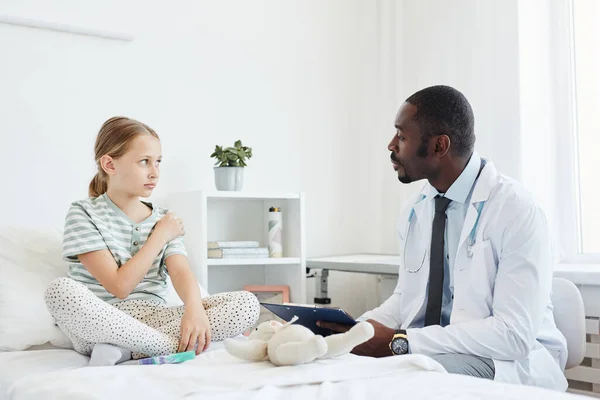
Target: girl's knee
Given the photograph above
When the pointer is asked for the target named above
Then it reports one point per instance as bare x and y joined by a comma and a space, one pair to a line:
252, 305
248, 298
61, 289
62, 285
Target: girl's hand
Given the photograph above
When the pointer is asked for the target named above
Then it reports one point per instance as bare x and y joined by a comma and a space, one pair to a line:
169, 227
195, 328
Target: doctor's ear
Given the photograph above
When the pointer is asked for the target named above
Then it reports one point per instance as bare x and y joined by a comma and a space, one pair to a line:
441, 145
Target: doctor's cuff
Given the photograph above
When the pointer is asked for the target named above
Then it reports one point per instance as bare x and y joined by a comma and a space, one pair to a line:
410, 348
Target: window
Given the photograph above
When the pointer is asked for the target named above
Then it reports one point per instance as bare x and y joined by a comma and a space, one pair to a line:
586, 50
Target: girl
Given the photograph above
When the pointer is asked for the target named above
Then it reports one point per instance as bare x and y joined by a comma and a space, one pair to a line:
120, 250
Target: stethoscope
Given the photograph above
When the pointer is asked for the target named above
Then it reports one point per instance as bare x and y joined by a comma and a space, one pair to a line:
470, 246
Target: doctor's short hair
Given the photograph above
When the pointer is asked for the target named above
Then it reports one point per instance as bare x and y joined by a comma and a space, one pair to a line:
444, 110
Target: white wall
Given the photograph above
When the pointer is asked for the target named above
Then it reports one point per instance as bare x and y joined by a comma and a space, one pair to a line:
285, 77
282, 77
313, 87
277, 76
544, 76
468, 44
473, 46
512, 61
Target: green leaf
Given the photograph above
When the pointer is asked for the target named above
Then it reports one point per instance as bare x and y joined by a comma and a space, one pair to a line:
232, 156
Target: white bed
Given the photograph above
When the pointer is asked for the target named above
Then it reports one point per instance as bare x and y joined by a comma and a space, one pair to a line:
29, 259
46, 374
16, 365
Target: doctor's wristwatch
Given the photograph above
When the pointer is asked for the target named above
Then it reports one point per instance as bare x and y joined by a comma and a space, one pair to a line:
399, 343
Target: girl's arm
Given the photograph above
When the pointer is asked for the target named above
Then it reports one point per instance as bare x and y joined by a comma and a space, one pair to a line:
184, 282
195, 326
120, 282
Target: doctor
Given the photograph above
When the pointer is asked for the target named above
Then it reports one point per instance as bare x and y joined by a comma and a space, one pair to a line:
475, 276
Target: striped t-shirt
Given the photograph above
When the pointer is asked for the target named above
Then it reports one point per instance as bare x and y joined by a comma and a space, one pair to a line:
98, 224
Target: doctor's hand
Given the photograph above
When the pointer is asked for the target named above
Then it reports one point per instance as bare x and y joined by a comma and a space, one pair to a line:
377, 346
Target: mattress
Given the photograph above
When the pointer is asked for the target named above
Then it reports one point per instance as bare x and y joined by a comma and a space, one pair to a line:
47, 374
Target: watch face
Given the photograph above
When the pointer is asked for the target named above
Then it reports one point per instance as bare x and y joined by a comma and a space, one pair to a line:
400, 346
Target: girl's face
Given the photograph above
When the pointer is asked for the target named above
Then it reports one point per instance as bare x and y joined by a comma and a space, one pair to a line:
137, 171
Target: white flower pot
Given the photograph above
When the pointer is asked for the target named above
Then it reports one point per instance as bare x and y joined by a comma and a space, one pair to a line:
229, 178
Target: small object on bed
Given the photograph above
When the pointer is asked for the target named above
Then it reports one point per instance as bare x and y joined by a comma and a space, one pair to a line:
294, 344
168, 359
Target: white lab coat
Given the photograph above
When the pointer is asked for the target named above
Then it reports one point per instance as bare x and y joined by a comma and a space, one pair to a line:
502, 283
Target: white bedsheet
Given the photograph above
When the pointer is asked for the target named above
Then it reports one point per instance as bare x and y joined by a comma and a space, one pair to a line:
217, 375
16, 365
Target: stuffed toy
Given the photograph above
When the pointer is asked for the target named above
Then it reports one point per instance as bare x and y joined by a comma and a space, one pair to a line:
293, 344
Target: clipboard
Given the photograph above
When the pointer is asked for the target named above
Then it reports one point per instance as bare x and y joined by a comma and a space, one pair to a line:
308, 315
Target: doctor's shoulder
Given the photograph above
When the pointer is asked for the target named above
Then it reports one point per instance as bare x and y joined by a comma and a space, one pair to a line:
510, 200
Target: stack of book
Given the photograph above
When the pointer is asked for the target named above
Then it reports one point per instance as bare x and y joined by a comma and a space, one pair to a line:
237, 249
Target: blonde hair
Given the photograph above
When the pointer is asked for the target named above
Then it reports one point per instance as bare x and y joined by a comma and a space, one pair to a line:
114, 138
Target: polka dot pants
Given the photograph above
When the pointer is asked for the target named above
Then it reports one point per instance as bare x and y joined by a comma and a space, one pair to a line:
145, 327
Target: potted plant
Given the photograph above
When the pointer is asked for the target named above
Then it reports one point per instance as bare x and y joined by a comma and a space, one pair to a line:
229, 169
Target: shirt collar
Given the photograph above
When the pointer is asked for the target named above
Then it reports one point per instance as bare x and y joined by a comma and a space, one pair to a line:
460, 189
120, 212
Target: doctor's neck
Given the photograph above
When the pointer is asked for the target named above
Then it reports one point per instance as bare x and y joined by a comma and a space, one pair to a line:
447, 171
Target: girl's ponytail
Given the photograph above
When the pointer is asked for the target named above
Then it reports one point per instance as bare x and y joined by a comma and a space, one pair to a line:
98, 186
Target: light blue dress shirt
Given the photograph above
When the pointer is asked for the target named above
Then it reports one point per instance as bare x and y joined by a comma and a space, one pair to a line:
460, 194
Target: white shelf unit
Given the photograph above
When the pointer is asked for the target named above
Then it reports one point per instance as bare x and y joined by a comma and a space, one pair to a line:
255, 261
211, 216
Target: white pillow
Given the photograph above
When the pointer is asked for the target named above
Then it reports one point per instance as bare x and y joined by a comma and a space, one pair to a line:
29, 260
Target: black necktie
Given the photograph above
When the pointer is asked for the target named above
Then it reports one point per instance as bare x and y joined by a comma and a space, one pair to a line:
436, 263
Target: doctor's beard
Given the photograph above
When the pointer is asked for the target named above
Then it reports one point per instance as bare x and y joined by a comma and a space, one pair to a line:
401, 171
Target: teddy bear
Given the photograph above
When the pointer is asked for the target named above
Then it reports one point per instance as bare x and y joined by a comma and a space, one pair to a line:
293, 344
